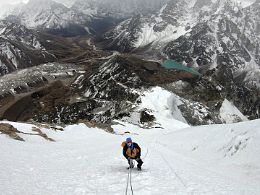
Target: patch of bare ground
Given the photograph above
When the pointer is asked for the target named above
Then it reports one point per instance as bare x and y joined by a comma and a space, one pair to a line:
12, 132
40, 133
48, 126
93, 124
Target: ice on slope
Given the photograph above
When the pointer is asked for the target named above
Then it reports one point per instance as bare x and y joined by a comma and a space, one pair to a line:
230, 114
163, 105
148, 35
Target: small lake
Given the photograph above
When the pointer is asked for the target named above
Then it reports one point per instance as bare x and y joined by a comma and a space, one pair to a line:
171, 64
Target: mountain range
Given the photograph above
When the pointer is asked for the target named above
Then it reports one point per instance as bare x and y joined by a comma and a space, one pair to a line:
80, 76
220, 39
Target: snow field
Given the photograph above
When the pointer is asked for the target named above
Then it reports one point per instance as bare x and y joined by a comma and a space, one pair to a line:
89, 161
178, 159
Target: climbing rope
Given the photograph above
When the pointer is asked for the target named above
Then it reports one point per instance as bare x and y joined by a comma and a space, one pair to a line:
173, 171
145, 154
168, 164
129, 180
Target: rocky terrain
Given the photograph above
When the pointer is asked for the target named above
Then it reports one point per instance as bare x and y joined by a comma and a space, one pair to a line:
80, 76
22, 47
221, 40
101, 94
66, 79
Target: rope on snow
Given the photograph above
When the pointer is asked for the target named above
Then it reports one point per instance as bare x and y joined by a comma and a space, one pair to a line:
129, 181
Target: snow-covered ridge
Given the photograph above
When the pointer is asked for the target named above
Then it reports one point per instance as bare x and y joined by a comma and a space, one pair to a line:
176, 19
48, 14
173, 20
20, 34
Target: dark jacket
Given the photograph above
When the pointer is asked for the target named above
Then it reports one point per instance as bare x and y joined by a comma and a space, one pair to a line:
132, 153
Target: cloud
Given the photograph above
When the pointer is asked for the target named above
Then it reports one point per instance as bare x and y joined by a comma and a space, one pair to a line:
4, 2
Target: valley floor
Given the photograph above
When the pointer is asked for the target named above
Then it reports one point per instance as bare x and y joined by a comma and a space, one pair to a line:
216, 159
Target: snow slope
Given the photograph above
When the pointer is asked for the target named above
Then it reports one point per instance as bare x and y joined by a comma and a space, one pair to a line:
229, 113
216, 159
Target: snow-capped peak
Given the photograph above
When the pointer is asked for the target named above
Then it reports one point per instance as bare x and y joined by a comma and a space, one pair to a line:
48, 14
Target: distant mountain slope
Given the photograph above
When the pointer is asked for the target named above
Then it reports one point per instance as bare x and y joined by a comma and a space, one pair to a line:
51, 16
218, 38
118, 8
171, 21
20, 48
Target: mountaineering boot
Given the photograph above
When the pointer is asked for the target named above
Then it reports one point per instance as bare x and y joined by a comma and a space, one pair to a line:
130, 167
139, 165
131, 164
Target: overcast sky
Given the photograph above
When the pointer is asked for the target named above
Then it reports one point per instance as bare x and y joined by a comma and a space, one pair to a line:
2, 2
11, 1
69, 2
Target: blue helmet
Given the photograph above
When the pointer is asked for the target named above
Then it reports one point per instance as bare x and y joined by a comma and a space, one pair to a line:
128, 140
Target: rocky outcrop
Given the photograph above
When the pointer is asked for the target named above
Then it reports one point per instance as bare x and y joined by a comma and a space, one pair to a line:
13, 133
10, 131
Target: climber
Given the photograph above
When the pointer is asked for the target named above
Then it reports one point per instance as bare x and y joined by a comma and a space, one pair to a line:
132, 151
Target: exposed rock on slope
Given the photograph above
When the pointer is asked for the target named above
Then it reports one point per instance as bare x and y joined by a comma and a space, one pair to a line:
106, 92
52, 16
220, 38
20, 48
